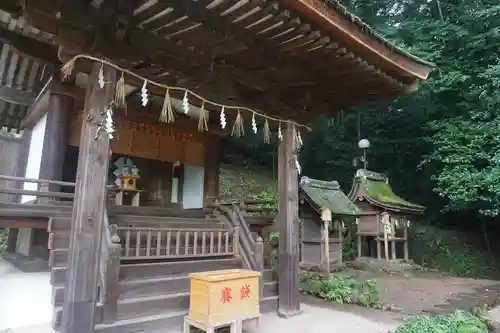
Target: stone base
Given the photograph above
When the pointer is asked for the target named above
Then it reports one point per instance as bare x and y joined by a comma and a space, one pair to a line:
289, 314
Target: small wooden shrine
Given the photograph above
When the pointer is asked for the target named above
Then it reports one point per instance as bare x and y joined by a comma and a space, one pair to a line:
323, 210
385, 220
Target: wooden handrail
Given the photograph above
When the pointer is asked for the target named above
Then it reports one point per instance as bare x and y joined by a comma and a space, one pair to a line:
109, 270
37, 193
38, 181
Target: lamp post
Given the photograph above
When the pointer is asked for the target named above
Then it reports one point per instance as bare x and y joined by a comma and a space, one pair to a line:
364, 144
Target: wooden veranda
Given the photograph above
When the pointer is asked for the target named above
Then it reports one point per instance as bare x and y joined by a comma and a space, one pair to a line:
293, 59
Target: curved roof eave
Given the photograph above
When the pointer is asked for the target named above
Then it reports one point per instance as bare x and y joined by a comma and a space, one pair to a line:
332, 16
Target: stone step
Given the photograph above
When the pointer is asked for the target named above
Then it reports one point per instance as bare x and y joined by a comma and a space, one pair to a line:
168, 320
158, 269
154, 286
150, 305
164, 285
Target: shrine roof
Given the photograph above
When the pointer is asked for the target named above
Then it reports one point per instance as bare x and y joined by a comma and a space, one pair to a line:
292, 59
327, 194
375, 188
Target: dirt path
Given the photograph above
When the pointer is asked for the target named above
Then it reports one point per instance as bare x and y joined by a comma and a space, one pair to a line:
436, 294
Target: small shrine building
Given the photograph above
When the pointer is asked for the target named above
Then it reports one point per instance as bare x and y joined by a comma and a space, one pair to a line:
321, 241
386, 216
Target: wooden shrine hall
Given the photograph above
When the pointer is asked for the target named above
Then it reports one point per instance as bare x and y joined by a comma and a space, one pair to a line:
148, 88
385, 221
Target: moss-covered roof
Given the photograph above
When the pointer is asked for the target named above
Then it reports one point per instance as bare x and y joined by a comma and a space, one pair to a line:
322, 194
378, 192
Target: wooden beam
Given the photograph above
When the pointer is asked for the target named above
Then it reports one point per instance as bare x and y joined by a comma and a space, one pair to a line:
38, 107
15, 96
288, 220
88, 209
40, 223
29, 47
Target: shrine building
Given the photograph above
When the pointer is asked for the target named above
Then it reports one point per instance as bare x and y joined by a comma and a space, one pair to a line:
112, 115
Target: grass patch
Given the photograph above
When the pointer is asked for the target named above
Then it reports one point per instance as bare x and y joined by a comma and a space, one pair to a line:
456, 322
341, 289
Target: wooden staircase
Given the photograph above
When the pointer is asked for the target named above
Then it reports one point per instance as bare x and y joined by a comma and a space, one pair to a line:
153, 282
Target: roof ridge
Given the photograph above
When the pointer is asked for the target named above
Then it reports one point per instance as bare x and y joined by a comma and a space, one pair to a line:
329, 185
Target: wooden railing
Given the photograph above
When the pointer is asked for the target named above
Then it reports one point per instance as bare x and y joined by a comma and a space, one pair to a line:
43, 193
109, 270
252, 251
249, 206
165, 243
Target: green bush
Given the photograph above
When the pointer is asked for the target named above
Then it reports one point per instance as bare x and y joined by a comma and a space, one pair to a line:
342, 290
456, 322
3, 240
274, 239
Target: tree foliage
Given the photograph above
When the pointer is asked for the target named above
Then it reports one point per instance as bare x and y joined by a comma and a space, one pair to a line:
440, 146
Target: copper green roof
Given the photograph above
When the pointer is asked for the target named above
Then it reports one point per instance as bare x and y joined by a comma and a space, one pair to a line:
323, 194
378, 192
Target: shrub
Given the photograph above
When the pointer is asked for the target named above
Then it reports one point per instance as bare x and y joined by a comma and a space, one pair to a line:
3, 240
456, 322
274, 239
342, 290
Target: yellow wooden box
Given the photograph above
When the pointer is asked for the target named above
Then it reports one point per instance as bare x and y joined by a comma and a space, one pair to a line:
128, 181
225, 295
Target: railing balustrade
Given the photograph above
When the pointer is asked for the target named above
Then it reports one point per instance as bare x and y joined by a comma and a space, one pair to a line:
44, 191
165, 243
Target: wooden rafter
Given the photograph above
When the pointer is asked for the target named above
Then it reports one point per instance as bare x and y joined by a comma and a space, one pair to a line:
15, 96
29, 47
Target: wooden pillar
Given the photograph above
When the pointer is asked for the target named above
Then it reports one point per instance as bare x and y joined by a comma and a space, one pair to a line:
405, 244
56, 136
22, 161
288, 219
212, 169
88, 209
12, 240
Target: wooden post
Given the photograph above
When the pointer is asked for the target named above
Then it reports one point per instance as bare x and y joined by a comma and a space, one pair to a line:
393, 242
405, 236
377, 238
212, 170
259, 262
56, 137
112, 277
358, 238
289, 302
326, 249
88, 209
